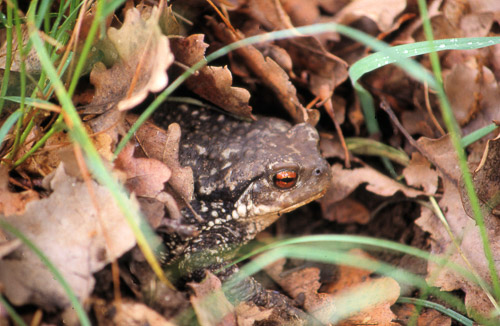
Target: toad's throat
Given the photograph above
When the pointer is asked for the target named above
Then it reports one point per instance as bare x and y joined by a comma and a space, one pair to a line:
262, 221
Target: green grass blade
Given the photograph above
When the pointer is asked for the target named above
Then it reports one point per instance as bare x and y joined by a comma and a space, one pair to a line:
11, 120
12, 312
86, 47
371, 147
21, 52
477, 134
42, 12
28, 100
8, 57
82, 316
342, 241
442, 309
399, 55
58, 126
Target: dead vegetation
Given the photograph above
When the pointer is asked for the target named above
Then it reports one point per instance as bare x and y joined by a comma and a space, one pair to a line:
55, 199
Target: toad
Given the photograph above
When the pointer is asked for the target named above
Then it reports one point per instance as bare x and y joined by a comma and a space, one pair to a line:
246, 175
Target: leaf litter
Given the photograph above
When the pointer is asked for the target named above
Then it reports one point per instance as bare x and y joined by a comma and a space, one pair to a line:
303, 76
66, 219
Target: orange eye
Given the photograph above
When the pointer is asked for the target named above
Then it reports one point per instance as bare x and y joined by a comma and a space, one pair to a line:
285, 179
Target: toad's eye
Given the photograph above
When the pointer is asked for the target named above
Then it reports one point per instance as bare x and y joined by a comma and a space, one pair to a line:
285, 179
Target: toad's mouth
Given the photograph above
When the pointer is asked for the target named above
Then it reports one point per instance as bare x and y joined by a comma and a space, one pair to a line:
263, 221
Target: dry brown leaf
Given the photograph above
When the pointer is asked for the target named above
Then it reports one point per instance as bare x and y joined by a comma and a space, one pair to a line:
146, 177
144, 56
441, 153
418, 122
350, 293
473, 95
210, 304
6, 247
168, 23
212, 83
164, 146
346, 210
381, 13
427, 317
419, 174
325, 71
67, 228
345, 181
127, 313
58, 148
13, 203
271, 74
45, 160
269, 13
486, 180
302, 12
477, 24
304, 282
455, 208
433, 318
247, 314
356, 288
377, 296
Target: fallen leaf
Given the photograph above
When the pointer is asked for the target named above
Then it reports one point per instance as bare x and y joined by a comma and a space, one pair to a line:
486, 179
210, 304
58, 148
353, 290
426, 317
302, 13
127, 313
13, 203
440, 153
271, 74
269, 13
356, 289
477, 24
68, 230
46, 159
212, 83
419, 174
345, 181
473, 95
345, 211
304, 282
433, 318
6, 247
142, 280
325, 71
381, 13
146, 177
144, 56
168, 23
164, 146
247, 314
455, 207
